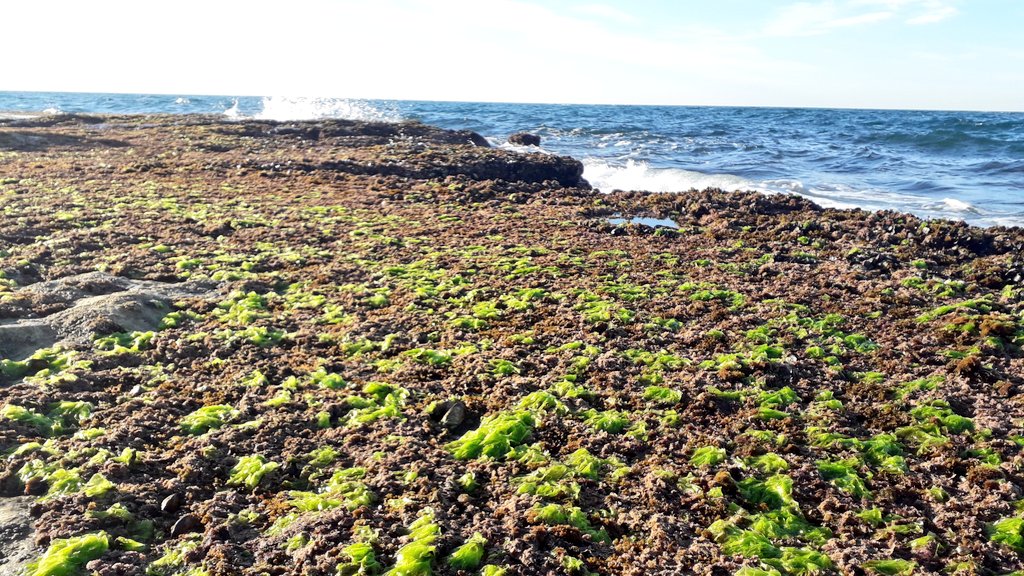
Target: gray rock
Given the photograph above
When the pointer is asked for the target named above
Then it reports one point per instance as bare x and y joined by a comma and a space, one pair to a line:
455, 415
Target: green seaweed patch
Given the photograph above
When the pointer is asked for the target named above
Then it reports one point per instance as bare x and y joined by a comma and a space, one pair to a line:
207, 418
249, 471
379, 400
662, 395
559, 515
470, 554
610, 421
124, 343
416, 558
1009, 532
62, 416
361, 560
68, 556
844, 474
707, 456
173, 560
893, 567
496, 436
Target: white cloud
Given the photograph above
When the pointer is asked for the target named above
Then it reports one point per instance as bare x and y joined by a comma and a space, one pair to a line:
606, 12
933, 15
816, 18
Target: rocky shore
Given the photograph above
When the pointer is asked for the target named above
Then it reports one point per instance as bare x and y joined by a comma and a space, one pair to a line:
353, 348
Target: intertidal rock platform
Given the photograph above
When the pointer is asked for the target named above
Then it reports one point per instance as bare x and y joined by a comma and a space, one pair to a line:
341, 348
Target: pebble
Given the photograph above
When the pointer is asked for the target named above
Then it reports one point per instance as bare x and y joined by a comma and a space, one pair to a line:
185, 524
171, 503
455, 415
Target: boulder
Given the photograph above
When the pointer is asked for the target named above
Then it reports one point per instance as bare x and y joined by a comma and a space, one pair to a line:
524, 139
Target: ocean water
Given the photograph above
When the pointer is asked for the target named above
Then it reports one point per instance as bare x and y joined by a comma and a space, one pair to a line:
957, 165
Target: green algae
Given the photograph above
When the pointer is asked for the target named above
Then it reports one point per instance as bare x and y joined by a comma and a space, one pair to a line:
249, 471
470, 554
68, 556
207, 418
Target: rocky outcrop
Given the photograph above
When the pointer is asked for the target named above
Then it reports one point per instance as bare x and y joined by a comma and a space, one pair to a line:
524, 139
474, 163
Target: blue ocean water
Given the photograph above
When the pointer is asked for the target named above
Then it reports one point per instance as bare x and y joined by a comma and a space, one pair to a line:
959, 165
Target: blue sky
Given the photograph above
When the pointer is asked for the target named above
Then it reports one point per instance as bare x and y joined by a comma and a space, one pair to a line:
934, 54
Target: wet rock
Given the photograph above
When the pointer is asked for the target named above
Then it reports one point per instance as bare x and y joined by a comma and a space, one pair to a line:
171, 503
455, 415
524, 139
16, 530
186, 524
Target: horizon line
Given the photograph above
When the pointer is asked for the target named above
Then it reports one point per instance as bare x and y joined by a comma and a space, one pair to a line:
537, 103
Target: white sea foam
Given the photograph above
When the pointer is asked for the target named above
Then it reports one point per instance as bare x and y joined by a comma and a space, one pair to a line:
300, 108
52, 111
634, 175
233, 112
959, 206
640, 176
182, 101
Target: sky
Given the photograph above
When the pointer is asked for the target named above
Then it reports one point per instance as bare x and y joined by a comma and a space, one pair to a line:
909, 54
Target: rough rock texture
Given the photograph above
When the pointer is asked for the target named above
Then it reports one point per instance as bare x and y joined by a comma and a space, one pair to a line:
78, 307
17, 545
524, 139
406, 325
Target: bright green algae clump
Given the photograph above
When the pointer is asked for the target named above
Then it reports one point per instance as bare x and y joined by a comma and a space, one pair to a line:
67, 557
207, 418
496, 436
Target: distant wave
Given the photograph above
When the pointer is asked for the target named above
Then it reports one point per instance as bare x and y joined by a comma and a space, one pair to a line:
637, 175
301, 108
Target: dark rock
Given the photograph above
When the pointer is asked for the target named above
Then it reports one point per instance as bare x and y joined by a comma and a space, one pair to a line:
186, 524
473, 163
455, 415
524, 139
172, 503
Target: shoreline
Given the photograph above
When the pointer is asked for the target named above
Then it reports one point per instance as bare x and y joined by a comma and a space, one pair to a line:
288, 347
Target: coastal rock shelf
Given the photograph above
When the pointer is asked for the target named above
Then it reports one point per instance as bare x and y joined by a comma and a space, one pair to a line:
352, 348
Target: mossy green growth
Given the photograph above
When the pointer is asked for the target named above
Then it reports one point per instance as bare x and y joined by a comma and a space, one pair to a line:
776, 491
21, 414
939, 411
124, 342
242, 309
97, 485
610, 421
708, 456
379, 400
62, 416
558, 514
493, 570
893, 567
542, 401
362, 561
844, 475
468, 555
662, 395
68, 556
207, 418
250, 471
799, 561
1009, 532
496, 436
173, 559
416, 558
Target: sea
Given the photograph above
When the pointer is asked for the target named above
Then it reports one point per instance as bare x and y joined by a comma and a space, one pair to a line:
934, 164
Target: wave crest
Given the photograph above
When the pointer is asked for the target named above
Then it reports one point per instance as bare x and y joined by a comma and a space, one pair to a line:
305, 108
